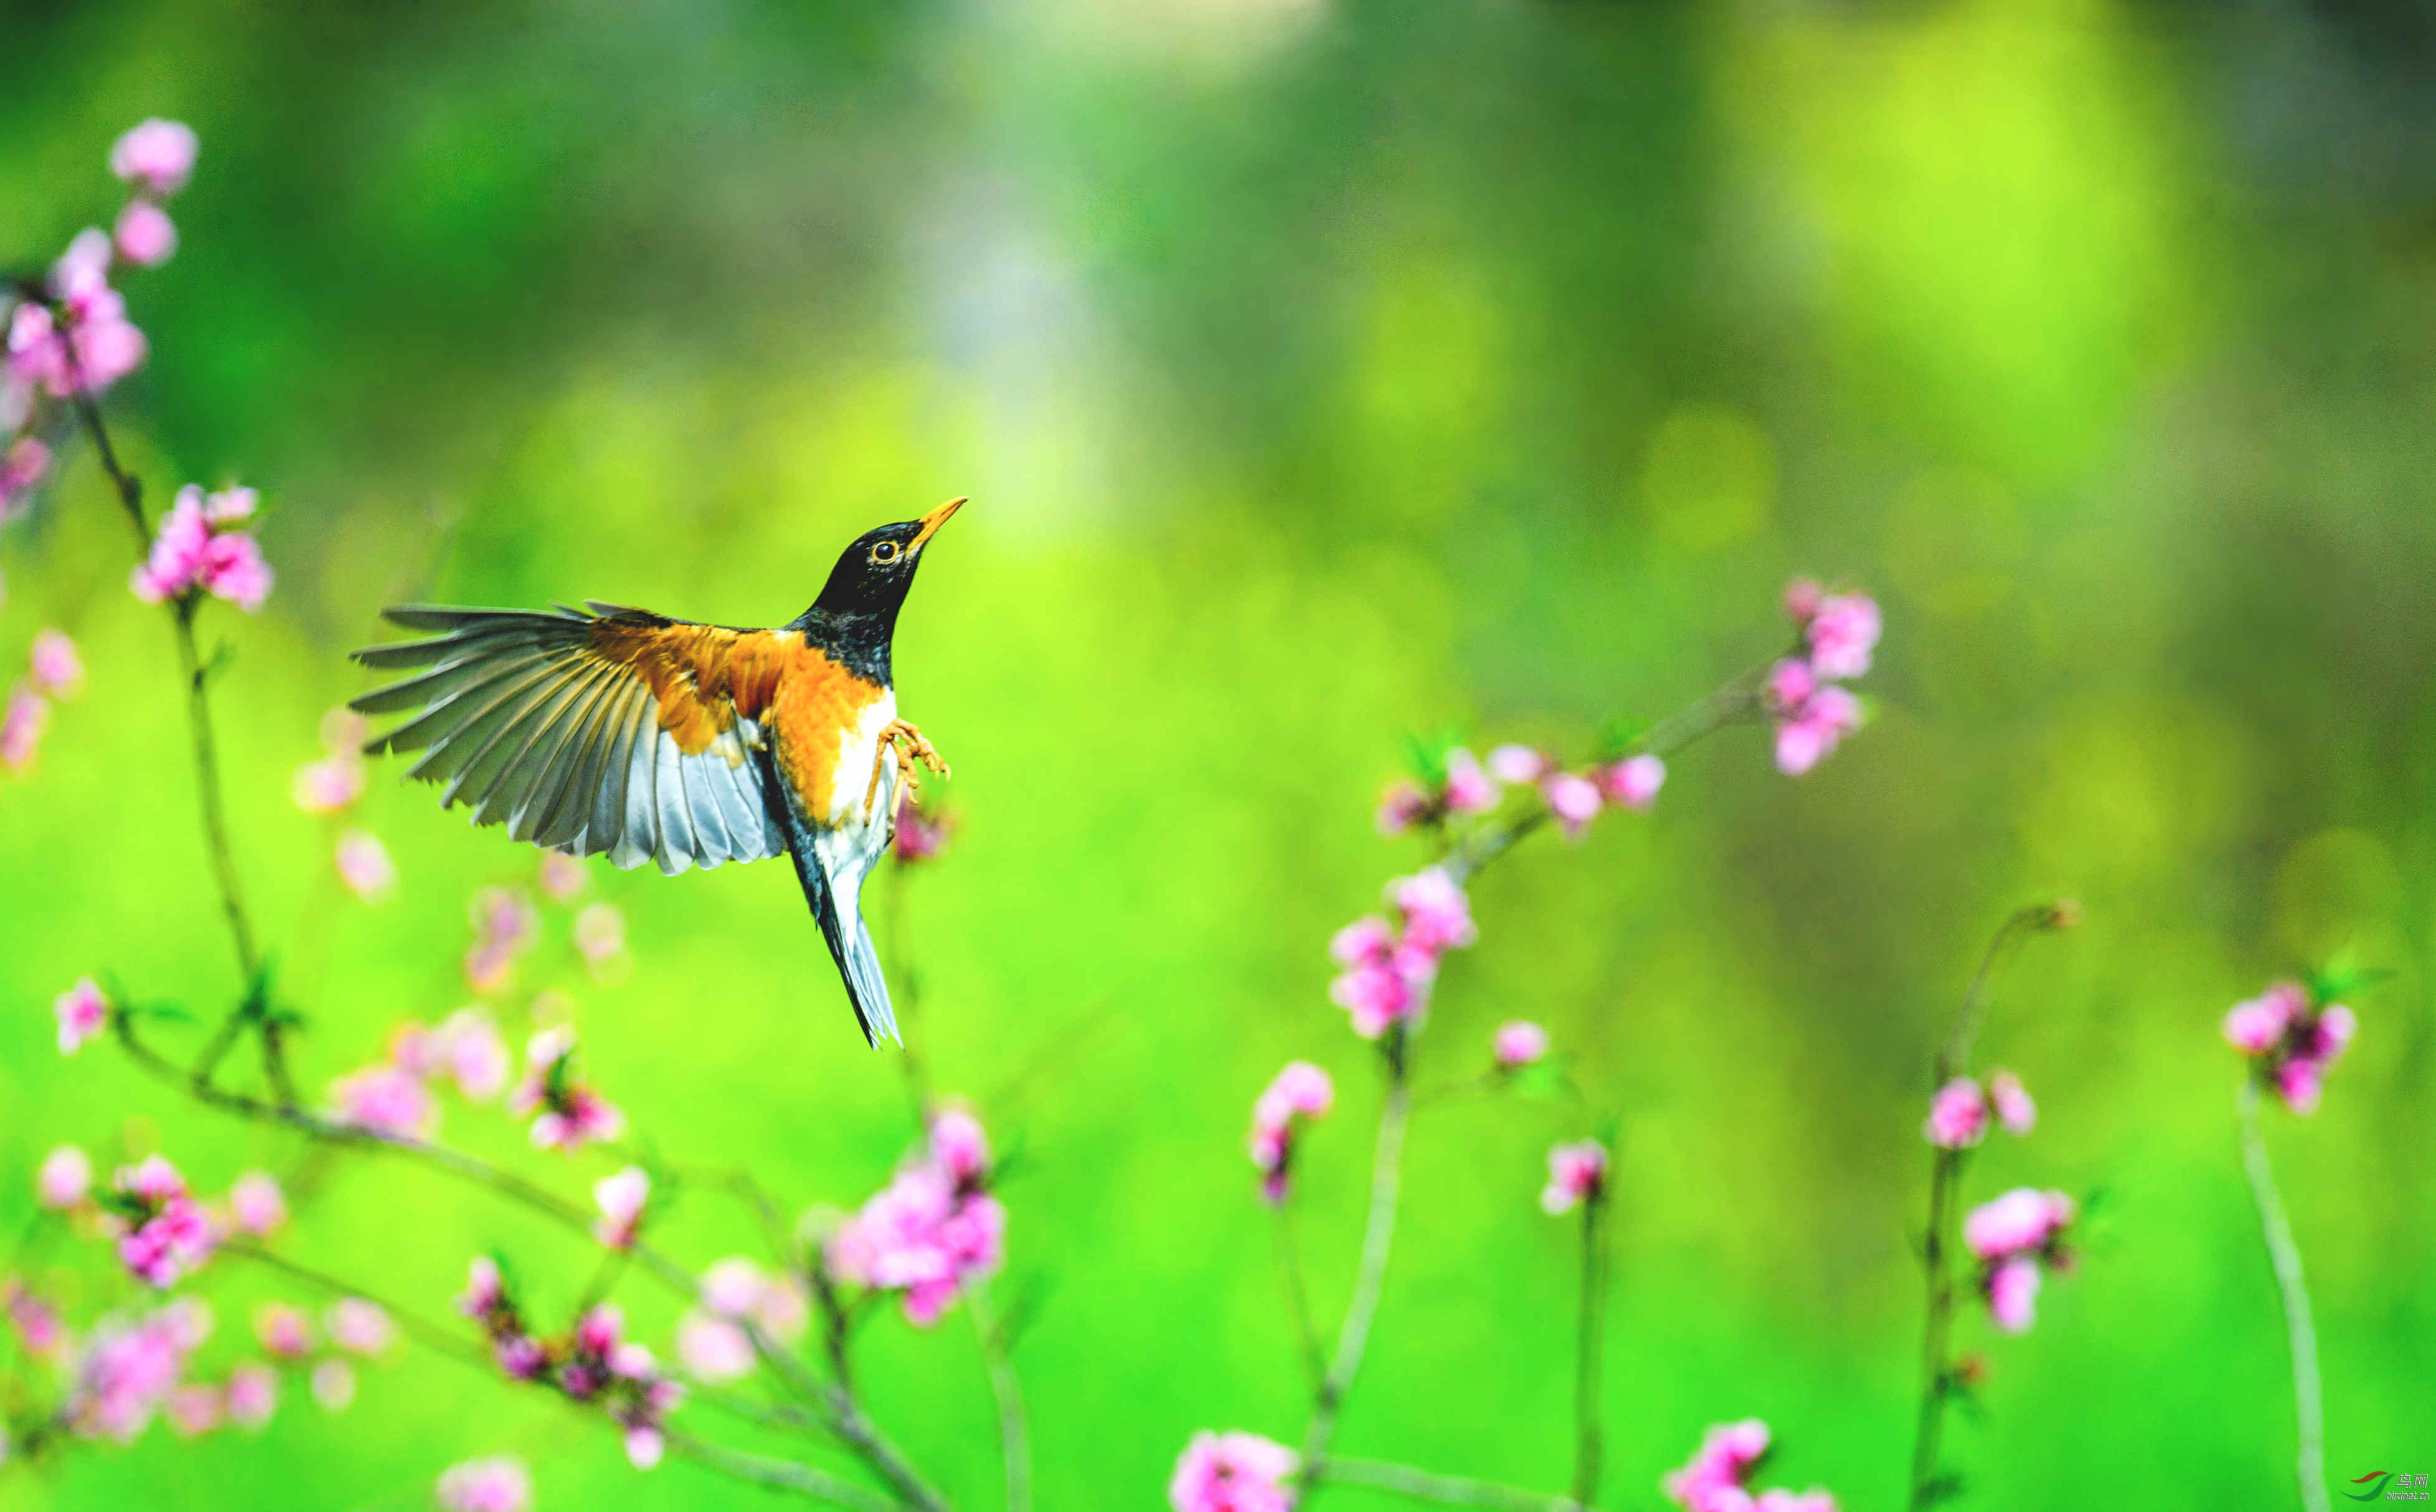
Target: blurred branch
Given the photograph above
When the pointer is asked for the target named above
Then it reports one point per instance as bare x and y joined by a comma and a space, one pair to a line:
2285, 1256
1315, 1354
1421, 1485
1590, 1345
254, 1009
778, 1474
1378, 1237
1013, 1429
1945, 1192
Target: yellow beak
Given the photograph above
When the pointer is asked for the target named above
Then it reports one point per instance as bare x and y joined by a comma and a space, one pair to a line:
932, 522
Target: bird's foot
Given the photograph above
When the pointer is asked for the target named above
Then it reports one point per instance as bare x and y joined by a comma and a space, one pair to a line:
911, 745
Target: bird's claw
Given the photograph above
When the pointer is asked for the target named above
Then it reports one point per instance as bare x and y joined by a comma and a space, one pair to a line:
907, 739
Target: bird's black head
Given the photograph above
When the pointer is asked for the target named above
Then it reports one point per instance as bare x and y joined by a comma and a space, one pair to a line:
855, 617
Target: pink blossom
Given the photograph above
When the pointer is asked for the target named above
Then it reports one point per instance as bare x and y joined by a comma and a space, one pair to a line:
163, 1233
485, 1290
1518, 1043
334, 1385
1813, 1500
2292, 1046
37, 1326
22, 467
1233, 1472
284, 1330
621, 1198
925, 1235
2014, 1109
83, 1011
959, 1147
1634, 781
256, 1204
1813, 730
2013, 1294
1958, 1115
55, 667
737, 1288
1803, 597
712, 1347
155, 155
144, 234
65, 1176
1842, 635
328, 786
566, 1114
497, 1484
386, 1100
2023, 1221
2301, 1082
1577, 1172
1363, 940
562, 875
1468, 788
253, 1395
364, 865
176, 555
1573, 800
1517, 764
194, 1410
600, 939
921, 833
472, 1052
125, 1375
234, 570
361, 1326
504, 928
21, 727
228, 506
1401, 807
1301, 1090
96, 346
1790, 683
1437, 915
1718, 1469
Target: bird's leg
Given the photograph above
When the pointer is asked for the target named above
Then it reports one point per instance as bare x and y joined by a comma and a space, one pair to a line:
907, 737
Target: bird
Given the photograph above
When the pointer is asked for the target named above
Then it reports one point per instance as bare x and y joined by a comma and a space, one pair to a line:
614, 730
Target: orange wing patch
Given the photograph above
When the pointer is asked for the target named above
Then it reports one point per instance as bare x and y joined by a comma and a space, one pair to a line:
702, 677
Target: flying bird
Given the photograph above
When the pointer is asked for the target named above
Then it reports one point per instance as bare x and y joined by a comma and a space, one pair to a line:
617, 731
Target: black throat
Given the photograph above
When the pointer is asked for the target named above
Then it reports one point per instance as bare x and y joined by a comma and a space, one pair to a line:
856, 639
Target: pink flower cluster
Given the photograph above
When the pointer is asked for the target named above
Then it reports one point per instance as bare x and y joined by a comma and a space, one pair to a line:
1839, 631
566, 1114
83, 1013
2014, 1236
394, 1096
163, 1232
23, 466
1518, 1043
202, 547
1959, 1112
54, 672
712, 1342
1233, 1472
128, 1368
932, 1230
622, 1198
922, 830
1469, 787
1576, 1173
505, 927
498, 1482
155, 158
1719, 1476
1298, 1093
2291, 1042
599, 1364
487, 1301
88, 344
1390, 963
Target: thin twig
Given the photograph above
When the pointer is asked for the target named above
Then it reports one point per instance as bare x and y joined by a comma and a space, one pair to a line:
1944, 1190
1014, 1426
1590, 1347
1403, 1480
2285, 1256
779, 1474
1378, 1237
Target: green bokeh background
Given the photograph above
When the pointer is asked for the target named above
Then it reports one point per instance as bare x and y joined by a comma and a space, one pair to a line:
1321, 372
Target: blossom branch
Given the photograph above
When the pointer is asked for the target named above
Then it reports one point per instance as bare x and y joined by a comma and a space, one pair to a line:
1378, 1237
1945, 1176
1014, 1426
2285, 1256
1422, 1486
779, 1474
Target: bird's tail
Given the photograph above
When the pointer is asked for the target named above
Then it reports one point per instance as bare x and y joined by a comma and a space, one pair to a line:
842, 926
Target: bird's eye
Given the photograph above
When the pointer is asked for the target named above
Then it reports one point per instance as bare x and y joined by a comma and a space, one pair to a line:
885, 552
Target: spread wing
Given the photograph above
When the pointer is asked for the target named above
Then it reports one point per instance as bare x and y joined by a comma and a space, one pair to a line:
602, 729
